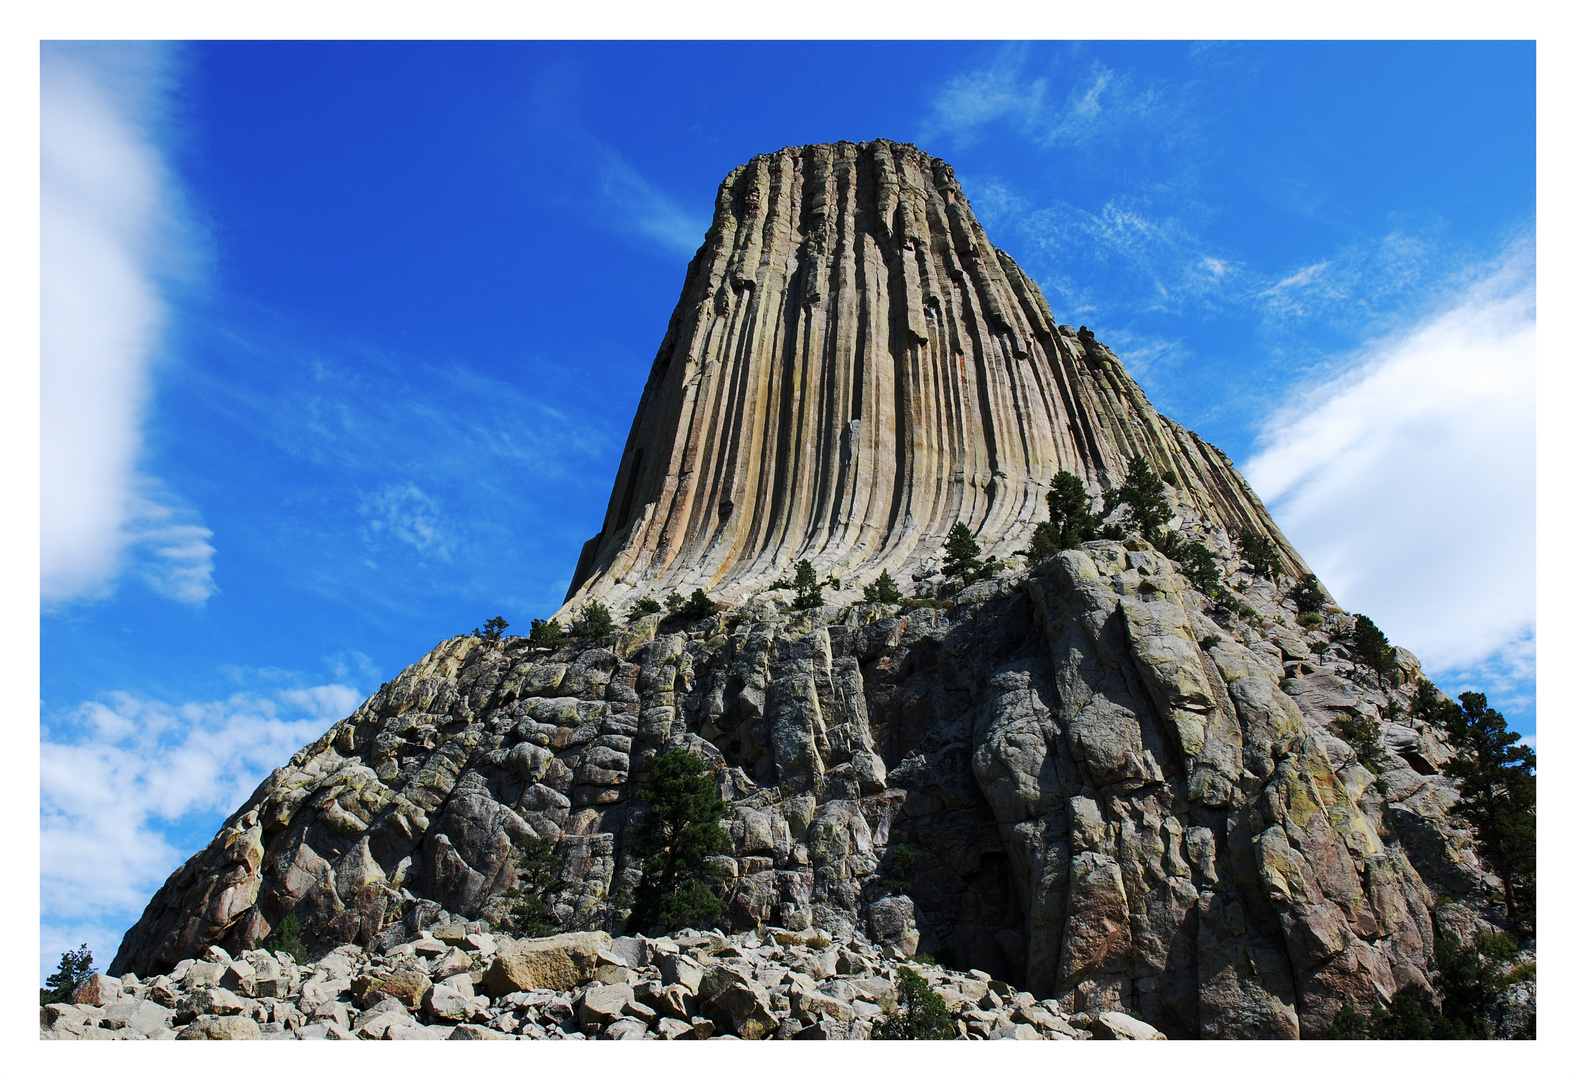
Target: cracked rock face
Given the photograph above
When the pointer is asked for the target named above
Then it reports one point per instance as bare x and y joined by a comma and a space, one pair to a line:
1100, 810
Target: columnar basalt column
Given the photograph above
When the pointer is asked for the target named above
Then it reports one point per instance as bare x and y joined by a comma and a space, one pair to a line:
851, 369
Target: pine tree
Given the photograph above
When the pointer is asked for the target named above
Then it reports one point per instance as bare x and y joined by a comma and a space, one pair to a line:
1072, 521
921, 1013
1348, 1023
643, 607
536, 878
1142, 499
678, 835
1308, 595
807, 586
492, 630
962, 556
1498, 785
1363, 734
286, 938
1404, 1019
883, 590
1195, 560
698, 606
76, 967
1372, 648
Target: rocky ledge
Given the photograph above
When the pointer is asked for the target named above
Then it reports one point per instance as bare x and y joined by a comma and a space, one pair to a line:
461, 981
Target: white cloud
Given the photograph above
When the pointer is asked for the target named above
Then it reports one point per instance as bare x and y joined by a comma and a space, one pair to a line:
113, 239
1408, 482
407, 515
123, 780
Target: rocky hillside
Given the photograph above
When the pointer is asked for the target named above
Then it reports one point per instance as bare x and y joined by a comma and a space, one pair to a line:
1118, 795
459, 982
1086, 778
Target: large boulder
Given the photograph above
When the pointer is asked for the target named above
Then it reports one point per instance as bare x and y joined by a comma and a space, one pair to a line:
221, 1028
1115, 1025
560, 962
739, 1002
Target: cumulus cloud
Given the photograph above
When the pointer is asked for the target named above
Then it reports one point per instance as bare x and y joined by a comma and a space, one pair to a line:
114, 240
1408, 481
129, 785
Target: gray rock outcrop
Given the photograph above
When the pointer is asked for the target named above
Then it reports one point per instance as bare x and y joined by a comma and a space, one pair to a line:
1112, 794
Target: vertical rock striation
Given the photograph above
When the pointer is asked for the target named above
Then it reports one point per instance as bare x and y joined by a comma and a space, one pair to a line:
851, 369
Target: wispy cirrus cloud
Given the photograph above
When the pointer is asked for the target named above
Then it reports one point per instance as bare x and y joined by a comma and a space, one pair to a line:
115, 241
129, 784
1069, 106
627, 200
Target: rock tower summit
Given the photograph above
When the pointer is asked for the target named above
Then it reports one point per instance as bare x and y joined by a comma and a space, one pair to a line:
851, 369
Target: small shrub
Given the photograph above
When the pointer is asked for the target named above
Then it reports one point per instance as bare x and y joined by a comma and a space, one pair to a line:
900, 868
675, 602
1309, 618
1209, 641
643, 607
1258, 553
546, 634
1308, 594
595, 622
883, 590
921, 1013
492, 630
922, 602
1363, 734
1169, 477
698, 606
286, 938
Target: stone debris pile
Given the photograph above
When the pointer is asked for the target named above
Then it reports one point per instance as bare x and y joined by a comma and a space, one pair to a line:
460, 981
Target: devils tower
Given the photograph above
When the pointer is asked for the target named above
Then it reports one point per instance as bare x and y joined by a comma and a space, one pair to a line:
1095, 776
851, 369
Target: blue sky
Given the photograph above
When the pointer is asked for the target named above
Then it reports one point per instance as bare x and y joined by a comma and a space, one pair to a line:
341, 342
